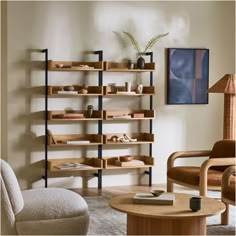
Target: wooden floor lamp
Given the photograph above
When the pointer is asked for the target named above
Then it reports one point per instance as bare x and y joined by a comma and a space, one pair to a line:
226, 85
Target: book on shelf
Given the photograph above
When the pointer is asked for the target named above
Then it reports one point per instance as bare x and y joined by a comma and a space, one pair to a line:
121, 117
129, 163
77, 141
148, 198
72, 165
67, 92
125, 92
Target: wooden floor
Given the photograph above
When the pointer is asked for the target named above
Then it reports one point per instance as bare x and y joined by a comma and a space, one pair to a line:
116, 190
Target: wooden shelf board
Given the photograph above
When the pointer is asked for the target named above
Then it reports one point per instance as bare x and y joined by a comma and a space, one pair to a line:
74, 95
74, 69
73, 145
75, 169
128, 143
120, 119
76, 119
129, 70
130, 95
126, 167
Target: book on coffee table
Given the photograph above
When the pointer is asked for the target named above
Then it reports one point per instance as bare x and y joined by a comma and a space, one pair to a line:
148, 198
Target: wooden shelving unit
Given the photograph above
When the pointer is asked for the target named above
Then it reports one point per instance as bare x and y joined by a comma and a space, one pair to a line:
99, 139
73, 91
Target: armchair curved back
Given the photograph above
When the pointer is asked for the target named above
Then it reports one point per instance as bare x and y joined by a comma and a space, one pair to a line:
223, 149
11, 198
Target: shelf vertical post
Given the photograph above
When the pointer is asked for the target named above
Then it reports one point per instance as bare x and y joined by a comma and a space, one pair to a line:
45, 117
100, 107
150, 122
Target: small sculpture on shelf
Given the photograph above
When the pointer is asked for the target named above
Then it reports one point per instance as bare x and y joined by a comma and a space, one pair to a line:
89, 113
84, 89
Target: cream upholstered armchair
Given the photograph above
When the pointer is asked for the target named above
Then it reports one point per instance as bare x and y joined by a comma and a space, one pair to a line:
45, 211
228, 192
209, 174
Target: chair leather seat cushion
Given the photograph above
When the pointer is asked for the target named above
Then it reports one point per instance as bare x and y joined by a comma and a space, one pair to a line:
229, 192
191, 175
51, 203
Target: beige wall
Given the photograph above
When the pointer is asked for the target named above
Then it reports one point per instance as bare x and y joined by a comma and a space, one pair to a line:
69, 30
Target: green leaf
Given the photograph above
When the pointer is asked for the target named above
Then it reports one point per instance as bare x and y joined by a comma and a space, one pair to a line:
133, 41
153, 40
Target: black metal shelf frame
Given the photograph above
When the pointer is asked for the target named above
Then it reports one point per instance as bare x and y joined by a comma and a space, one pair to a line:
100, 83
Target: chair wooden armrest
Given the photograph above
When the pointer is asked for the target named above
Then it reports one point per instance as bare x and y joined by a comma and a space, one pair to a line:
226, 176
206, 165
185, 154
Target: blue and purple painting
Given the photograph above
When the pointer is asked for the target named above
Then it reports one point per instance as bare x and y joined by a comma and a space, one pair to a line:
188, 72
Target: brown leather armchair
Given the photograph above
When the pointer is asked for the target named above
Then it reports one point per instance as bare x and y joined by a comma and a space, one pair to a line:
228, 192
209, 174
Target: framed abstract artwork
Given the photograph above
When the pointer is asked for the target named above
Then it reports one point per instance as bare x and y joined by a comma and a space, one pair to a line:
187, 76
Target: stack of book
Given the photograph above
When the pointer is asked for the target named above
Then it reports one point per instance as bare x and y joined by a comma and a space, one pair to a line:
72, 165
149, 198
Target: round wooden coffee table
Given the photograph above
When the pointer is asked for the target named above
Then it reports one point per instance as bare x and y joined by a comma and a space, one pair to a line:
177, 219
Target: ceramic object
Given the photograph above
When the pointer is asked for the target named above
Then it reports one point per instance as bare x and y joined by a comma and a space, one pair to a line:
141, 63
130, 65
59, 65
84, 91
156, 192
139, 89
128, 86
195, 203
89, 111
69, 88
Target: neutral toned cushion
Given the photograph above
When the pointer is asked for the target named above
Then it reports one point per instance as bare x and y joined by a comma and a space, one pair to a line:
7, 214
12, 187
64, 226
191, 175
222, 149
229, 192
51, 203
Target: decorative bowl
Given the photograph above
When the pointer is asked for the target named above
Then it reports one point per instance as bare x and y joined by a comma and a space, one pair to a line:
156, 192
59, 65
126, 158
69, 88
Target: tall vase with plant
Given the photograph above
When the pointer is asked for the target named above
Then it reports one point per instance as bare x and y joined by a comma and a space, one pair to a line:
148, 46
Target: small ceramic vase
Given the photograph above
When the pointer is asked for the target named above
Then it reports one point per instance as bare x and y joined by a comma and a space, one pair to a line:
141, 63
139, 89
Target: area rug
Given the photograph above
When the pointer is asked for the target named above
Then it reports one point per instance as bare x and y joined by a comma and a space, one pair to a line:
106, 221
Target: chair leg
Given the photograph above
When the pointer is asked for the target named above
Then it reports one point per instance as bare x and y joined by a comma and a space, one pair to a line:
203, 188
170, 186
225, 215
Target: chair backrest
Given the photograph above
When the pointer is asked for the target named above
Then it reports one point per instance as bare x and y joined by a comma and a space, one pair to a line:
223, 149
11, 199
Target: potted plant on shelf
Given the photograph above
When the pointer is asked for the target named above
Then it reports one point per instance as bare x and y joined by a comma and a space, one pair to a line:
149, 45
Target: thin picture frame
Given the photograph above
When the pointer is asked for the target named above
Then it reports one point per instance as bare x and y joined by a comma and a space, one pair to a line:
187, 75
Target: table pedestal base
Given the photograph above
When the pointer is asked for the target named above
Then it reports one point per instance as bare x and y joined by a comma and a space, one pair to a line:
137, 225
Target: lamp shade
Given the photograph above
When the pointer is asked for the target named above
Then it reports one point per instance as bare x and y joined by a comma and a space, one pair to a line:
225, 85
